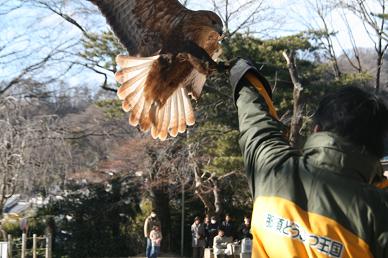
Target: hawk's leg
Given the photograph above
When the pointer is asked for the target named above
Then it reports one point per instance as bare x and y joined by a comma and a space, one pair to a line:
200, 59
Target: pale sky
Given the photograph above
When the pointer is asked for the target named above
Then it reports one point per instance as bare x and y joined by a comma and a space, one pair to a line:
39, 29
293, 15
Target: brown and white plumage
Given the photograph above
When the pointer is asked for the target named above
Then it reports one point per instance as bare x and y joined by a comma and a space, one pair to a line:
170, 54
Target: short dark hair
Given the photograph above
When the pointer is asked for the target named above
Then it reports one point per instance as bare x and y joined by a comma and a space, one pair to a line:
356, 115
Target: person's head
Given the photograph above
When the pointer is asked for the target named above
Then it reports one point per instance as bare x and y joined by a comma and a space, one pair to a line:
228, 217
221, 232
197, 220
356, 115
247, 220
153, 214
213, 220
207, 220
156, 228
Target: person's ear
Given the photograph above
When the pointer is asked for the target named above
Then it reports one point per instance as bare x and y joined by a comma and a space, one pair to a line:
317, 129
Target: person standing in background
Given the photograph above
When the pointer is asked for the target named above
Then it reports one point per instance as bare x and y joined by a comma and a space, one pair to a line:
213, 229
220, 245
156, 238
244, 230
228, 227
198, 238
149, 223
207, 224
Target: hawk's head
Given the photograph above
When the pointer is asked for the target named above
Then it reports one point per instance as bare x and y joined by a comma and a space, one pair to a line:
208, 19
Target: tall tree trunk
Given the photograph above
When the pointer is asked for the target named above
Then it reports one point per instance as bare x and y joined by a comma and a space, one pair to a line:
161, 203
207, 190
380, 61
207, 203
217, 198
378, 72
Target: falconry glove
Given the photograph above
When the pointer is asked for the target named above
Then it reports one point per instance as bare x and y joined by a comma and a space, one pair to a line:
245, 73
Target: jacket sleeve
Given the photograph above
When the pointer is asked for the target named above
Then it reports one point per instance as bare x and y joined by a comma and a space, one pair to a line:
262, 139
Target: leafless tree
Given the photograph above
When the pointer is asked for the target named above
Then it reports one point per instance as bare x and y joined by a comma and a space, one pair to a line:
185, 2
325, 33
34, 156
41, 51
373, 14
353, 57
12, 146
243, 16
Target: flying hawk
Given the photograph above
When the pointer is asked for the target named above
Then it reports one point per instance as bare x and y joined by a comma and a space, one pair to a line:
171, 51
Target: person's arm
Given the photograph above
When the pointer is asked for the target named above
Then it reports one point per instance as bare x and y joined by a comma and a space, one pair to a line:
262, 136
202, 231
146, 228
240, 231
212, 230
383, 242
152, 235
217, 243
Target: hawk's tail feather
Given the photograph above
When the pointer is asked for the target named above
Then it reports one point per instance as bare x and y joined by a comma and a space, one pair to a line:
174, 119
133, 77
174, 116
130, 72
145, 118
170, 119
154, 128
189, 113
136, 112
163, 132
181, 113
125, 61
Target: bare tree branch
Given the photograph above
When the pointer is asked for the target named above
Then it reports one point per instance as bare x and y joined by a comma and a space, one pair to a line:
66, 17
297, 117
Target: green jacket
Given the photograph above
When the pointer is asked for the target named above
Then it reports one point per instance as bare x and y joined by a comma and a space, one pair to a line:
312, 203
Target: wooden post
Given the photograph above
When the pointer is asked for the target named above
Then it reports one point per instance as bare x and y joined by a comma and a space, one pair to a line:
9, 246
34, 246
24, 241
183, 217
48, 246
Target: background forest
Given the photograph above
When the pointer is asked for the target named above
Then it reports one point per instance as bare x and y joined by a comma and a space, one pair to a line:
65, 139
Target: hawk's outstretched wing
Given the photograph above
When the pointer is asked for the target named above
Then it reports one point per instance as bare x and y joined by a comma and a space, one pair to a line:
170, 48
142, 25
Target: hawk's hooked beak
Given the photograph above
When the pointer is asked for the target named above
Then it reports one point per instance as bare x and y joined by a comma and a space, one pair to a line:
220, 31
221, 38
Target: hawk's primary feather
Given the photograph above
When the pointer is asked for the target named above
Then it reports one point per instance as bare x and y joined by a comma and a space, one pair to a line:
170, 49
